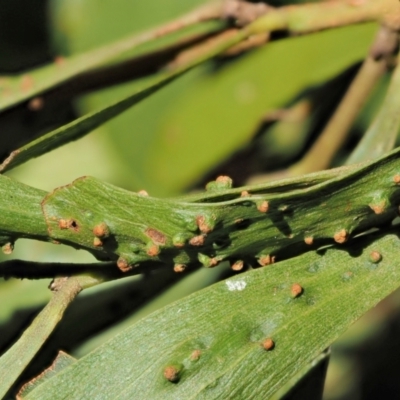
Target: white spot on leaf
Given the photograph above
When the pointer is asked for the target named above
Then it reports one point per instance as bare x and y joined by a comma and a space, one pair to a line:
236, 285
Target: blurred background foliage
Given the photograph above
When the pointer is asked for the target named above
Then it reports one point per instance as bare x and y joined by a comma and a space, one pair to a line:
218, 117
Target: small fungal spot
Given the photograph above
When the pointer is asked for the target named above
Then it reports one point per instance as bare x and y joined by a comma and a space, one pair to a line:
156, 236
221, 183
266, 260
101, 230
8, 248
26, 83
97, 242
226, 180
152, 250
396, 179
172, 373
244, 193
68, 224
237, 265
179, 240
179, 268
309, 240
208, 262
296, 290
123, 265
378, 208
36, 104
143, 193
263, 206
59, 60
196, 354
63, 224
268, 344
197, 240
375, 257
341, 236
204, 225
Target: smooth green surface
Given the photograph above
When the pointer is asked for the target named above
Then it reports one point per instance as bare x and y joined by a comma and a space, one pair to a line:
20, 211
227, 323
382, 134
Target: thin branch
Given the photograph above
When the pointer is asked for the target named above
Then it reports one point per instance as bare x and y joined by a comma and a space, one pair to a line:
335, 133
16, 359
381, 135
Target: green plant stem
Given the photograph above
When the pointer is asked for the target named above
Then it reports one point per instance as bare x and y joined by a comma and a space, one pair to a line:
255, 224
381, 135
333, 136
15, 360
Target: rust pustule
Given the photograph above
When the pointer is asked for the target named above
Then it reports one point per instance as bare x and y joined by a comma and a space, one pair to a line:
203, 224
375, 257
156, 236
172, 373
226, 180
97, 242
123, 265
63, 224
101, 230
378, 208
143, 193
266, 260
263, 206
68, 224
207, 261
36, 104
221, 183
309, 240
179, 268
237, 265
296, 290
196, 354
244, 193
213, 262
396, 179
197, 240
268, 344
152, 250
341, 236
27, 83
